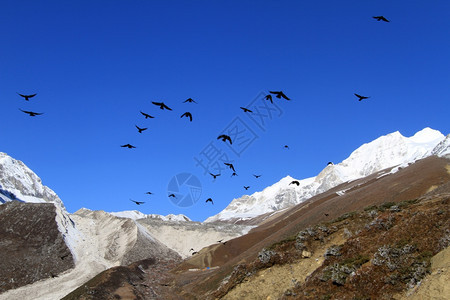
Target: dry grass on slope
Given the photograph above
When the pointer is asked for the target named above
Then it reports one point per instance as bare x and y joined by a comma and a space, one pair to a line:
388, 249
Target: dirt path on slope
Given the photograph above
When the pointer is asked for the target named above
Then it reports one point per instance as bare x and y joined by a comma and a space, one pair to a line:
435, 285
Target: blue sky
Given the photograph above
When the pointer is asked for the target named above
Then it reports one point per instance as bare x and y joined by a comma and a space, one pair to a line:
96, 64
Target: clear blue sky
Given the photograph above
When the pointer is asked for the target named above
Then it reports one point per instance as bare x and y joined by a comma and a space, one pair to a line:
96, 64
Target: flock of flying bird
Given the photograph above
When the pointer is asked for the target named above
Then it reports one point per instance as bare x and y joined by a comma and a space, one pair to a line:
223, 137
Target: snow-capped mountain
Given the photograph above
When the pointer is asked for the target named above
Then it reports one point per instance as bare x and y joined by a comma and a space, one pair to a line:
384, 152
18, 182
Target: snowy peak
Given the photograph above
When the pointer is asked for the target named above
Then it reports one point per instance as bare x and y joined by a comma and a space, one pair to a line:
384, 152
426, 135
135, 215
18, 182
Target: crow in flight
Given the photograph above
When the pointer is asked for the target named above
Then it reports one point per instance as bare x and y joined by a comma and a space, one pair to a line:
269, 97
31, 113
246, 109
361, 97
188, 115
224, 138
146, 115
279, 95
329, 163
214, 175
381, 18
149, 193
257, 176
246, 187
140, 129
172, 195
230, 166
234, 174
286, 146
27, 97
295, 182
137, 202
128, 146
209, 200
189, 100
161, 105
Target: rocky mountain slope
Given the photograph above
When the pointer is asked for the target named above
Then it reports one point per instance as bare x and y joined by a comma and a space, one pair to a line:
31, 246
384, 152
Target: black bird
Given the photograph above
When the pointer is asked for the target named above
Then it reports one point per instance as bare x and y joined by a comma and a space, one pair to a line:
187, 114
246, 109
64, 256
128, 146
195, 252
192, 249
146, 115
161, 105
257, 176
279, 95
31, 113
140, 129
246, 187
137, 202
172, 195
269, 97
381, 18
224, 138
234, 174
214, 175
329, 163
149, 193
230, 166
286, 146
295, 182
361, 97
27, 97
209, 200
189, 100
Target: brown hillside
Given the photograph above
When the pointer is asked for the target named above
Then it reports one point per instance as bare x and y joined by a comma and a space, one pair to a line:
407, 184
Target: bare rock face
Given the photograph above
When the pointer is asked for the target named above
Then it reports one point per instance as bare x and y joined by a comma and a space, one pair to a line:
31, 246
